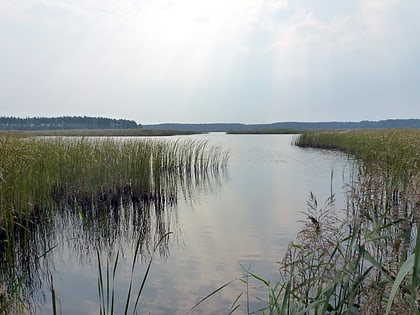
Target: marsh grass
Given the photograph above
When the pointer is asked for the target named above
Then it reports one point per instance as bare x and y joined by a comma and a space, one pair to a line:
134, 132
368, 263
36, 171
97, 179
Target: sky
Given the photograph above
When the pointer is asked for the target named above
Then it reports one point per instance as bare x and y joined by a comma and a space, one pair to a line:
197, 61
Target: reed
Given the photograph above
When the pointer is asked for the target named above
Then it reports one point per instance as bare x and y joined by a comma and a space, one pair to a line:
135, 132
95, 177
34, 169
364, 261
367, 259
106, 282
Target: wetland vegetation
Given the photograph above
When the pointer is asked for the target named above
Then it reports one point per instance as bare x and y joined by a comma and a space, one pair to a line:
97, 133
363, 260
366, 260
100, 186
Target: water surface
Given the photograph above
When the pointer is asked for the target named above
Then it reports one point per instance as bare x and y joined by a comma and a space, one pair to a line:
244, 217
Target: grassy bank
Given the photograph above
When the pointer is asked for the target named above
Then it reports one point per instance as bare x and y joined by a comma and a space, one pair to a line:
367, 259
367, 145
98, 133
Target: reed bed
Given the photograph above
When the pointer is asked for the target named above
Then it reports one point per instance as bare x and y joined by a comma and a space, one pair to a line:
98, 179
134, 132
367, 261
36, 169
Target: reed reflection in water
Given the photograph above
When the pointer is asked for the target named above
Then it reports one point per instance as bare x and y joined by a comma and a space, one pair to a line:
105, 196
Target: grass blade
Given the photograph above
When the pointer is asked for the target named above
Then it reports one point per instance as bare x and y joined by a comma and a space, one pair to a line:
286, 298
404, 270
53, 298
148, 269
113, 281
416, 268
100, 285
208, 296
234, 307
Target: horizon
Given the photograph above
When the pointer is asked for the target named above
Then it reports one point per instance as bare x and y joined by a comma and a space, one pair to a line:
209, 123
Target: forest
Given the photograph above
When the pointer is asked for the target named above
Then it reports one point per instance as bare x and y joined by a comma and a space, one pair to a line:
66, 123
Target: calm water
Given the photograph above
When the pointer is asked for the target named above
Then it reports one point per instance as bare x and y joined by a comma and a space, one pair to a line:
245, 216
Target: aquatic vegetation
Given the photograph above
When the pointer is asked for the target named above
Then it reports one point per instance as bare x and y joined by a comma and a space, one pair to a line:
93, 184
106, 282
34, 170
363, 259
133, 132
367, 260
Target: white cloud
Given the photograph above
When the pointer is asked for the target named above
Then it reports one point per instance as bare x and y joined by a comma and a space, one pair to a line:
211, 53
367, 27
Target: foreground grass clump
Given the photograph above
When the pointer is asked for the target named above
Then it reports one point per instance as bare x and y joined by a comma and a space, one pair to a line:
367, 261
97, 178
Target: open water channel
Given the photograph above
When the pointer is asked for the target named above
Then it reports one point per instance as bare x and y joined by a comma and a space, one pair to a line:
243, 217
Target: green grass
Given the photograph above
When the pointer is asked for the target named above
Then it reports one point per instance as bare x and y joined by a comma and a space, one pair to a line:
34, 169
391, 146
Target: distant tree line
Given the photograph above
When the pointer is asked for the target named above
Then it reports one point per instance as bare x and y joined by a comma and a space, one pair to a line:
364, 124
330, 125
65, 123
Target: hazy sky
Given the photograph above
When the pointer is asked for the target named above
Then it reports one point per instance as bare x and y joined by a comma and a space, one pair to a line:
251, 61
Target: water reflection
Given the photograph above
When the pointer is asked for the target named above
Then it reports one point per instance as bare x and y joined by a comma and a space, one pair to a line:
219, 220
78, 225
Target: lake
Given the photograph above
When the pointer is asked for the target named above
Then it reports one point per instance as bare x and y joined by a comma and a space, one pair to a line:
243, 217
